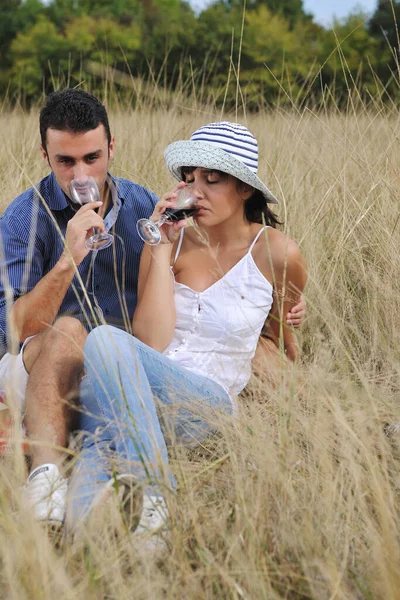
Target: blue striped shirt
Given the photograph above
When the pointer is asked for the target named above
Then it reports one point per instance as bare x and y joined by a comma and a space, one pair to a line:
31, 245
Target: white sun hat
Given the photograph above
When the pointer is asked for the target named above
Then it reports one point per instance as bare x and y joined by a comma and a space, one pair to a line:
223, 146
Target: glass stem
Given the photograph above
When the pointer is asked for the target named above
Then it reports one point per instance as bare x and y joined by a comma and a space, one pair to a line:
162, 220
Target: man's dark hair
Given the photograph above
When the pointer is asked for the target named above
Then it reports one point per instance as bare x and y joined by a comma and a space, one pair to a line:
74, 111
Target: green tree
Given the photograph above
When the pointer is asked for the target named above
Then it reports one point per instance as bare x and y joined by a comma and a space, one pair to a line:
291, 10
42, 53
217, 44
348, 50
276, 57
169, 33
383, 28
16, 16
67, 41
31, 53
382, 25
123, 11
164, 27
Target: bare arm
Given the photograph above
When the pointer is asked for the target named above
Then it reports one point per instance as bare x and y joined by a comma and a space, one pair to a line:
155, 316
38, 308
34, 311
290, 279
294, 318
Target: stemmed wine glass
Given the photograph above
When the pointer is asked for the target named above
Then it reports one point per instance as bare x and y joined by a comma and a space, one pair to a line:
84, 190
149, 231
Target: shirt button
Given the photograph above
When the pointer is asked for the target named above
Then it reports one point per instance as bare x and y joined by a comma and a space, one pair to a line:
107, 312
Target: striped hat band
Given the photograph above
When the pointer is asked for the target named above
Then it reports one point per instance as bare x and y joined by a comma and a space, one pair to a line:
232, 138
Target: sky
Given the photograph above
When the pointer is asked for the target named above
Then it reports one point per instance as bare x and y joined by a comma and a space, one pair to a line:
324, 10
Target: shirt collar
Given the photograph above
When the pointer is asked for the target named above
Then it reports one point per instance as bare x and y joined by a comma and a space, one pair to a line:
115, 187
112, 214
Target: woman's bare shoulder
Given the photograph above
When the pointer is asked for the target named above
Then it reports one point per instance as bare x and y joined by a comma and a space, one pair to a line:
279, 258
278, 247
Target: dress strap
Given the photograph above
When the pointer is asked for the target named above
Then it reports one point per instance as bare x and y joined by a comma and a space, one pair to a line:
178, 248
256, 238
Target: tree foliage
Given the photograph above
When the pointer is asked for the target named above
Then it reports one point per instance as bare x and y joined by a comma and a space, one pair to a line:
273, 49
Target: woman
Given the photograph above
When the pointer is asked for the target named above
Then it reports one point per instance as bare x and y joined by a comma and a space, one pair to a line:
204, 294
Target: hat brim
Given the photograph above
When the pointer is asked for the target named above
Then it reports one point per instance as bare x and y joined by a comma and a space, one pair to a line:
187, 153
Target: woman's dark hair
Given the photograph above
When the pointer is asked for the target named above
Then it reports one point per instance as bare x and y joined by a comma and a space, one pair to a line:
72, 110
256, 209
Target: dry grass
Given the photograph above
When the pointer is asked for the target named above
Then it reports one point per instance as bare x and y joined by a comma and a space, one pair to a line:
306, 505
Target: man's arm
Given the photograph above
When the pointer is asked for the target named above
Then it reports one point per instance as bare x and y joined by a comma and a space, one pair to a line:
37, 309
294, 318
291, 278
31, 312
276, 334
268, 345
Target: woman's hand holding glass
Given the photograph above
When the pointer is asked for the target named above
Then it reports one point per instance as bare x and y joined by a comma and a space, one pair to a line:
169, 217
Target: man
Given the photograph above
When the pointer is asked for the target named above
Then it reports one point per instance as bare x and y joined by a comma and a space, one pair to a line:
53, 289
43, 279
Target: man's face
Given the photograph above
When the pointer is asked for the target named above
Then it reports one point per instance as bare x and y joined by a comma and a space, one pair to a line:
78, 155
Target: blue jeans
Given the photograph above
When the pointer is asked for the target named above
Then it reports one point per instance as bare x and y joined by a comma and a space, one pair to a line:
135, 402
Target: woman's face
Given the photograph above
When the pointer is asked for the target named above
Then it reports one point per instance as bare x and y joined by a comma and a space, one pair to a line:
219, 196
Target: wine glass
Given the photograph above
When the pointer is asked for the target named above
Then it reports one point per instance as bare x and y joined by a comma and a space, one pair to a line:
149, 231
84, 190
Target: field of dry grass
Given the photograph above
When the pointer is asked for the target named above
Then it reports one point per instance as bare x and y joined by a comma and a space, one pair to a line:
301, 498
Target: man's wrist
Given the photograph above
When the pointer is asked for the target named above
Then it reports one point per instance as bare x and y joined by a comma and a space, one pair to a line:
66, 263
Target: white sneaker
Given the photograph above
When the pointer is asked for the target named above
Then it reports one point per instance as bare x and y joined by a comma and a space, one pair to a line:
117, 504
45, 493
127, 495
148, 536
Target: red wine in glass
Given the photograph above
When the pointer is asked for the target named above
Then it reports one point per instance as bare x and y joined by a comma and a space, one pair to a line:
149, 231
177, 214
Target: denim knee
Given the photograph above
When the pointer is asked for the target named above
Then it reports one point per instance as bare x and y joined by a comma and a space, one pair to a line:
103, 340
97, 337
